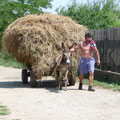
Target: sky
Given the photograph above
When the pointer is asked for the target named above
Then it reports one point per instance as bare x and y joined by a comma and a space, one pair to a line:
57, 3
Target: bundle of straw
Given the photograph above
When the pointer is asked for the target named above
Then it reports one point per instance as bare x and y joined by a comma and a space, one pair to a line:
35, 40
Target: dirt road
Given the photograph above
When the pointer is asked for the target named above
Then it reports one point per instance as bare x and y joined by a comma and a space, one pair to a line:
49, 103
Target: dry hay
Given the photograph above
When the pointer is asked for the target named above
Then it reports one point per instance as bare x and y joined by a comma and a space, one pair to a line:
35, 40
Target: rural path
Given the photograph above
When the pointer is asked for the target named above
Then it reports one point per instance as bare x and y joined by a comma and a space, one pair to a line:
48, 103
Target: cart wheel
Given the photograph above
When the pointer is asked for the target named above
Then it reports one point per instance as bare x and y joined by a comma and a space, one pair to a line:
28, 74
32, 80
24, 76
71, 80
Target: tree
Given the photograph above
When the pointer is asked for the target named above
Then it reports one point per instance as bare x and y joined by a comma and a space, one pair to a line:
99, 14
10, 10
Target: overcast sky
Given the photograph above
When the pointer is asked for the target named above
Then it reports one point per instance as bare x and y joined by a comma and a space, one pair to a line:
57, 3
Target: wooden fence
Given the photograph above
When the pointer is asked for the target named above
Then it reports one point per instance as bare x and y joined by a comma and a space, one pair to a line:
108, 44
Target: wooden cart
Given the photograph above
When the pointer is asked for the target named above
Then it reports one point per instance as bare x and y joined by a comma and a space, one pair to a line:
28, 73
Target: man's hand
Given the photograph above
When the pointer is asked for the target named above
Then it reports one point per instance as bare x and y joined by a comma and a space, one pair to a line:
98, 62
98, 56
72, 50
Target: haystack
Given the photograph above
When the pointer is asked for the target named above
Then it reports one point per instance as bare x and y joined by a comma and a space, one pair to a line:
35, 40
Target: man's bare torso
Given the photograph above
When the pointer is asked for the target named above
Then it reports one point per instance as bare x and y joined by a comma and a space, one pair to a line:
86, 51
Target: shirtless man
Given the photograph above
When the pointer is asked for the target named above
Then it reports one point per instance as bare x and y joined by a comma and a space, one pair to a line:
87, 61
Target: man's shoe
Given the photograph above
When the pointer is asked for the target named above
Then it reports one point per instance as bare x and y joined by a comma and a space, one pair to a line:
90, 88
80, 86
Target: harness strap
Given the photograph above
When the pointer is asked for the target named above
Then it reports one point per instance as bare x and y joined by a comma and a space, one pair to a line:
57, 65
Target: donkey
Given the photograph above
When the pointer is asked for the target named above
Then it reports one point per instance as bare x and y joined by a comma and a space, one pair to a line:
63, 63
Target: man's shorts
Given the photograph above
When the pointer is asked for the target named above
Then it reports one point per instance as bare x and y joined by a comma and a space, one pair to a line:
86, 65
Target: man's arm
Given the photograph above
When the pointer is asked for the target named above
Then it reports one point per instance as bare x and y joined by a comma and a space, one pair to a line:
97, 55
75, 48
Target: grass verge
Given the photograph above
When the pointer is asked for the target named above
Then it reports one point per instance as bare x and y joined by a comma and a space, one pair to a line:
8, 61
15, 119
4, 110
105, 85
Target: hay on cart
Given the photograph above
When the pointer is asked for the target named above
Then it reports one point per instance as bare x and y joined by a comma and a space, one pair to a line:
35, 40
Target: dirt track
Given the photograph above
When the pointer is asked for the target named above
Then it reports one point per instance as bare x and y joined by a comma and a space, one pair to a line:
49, 103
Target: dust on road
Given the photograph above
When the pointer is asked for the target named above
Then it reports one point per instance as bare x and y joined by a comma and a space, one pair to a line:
49, 103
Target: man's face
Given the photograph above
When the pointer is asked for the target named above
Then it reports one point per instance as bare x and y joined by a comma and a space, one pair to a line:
87, 39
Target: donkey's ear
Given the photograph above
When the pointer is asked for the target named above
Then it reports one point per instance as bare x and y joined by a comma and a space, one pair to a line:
63, 46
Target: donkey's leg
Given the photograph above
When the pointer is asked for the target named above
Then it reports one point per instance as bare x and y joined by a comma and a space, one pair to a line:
56, 79
66, 80
60, 81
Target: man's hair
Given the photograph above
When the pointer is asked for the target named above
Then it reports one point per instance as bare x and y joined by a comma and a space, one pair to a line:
88, 35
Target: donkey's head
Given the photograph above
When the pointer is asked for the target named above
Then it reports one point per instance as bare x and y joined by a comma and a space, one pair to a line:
66, 54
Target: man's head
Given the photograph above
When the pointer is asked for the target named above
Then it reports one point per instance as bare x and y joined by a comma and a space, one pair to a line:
88, 37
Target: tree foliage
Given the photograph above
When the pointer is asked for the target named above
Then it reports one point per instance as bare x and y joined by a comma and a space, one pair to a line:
99, 14
10, 10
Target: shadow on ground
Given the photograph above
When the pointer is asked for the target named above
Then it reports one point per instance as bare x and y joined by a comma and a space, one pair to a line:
14, 84
19, 84
47, 84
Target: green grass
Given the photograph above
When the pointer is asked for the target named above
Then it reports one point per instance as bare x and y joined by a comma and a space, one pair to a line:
15, 119
102, 84
4, 110
8, 61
